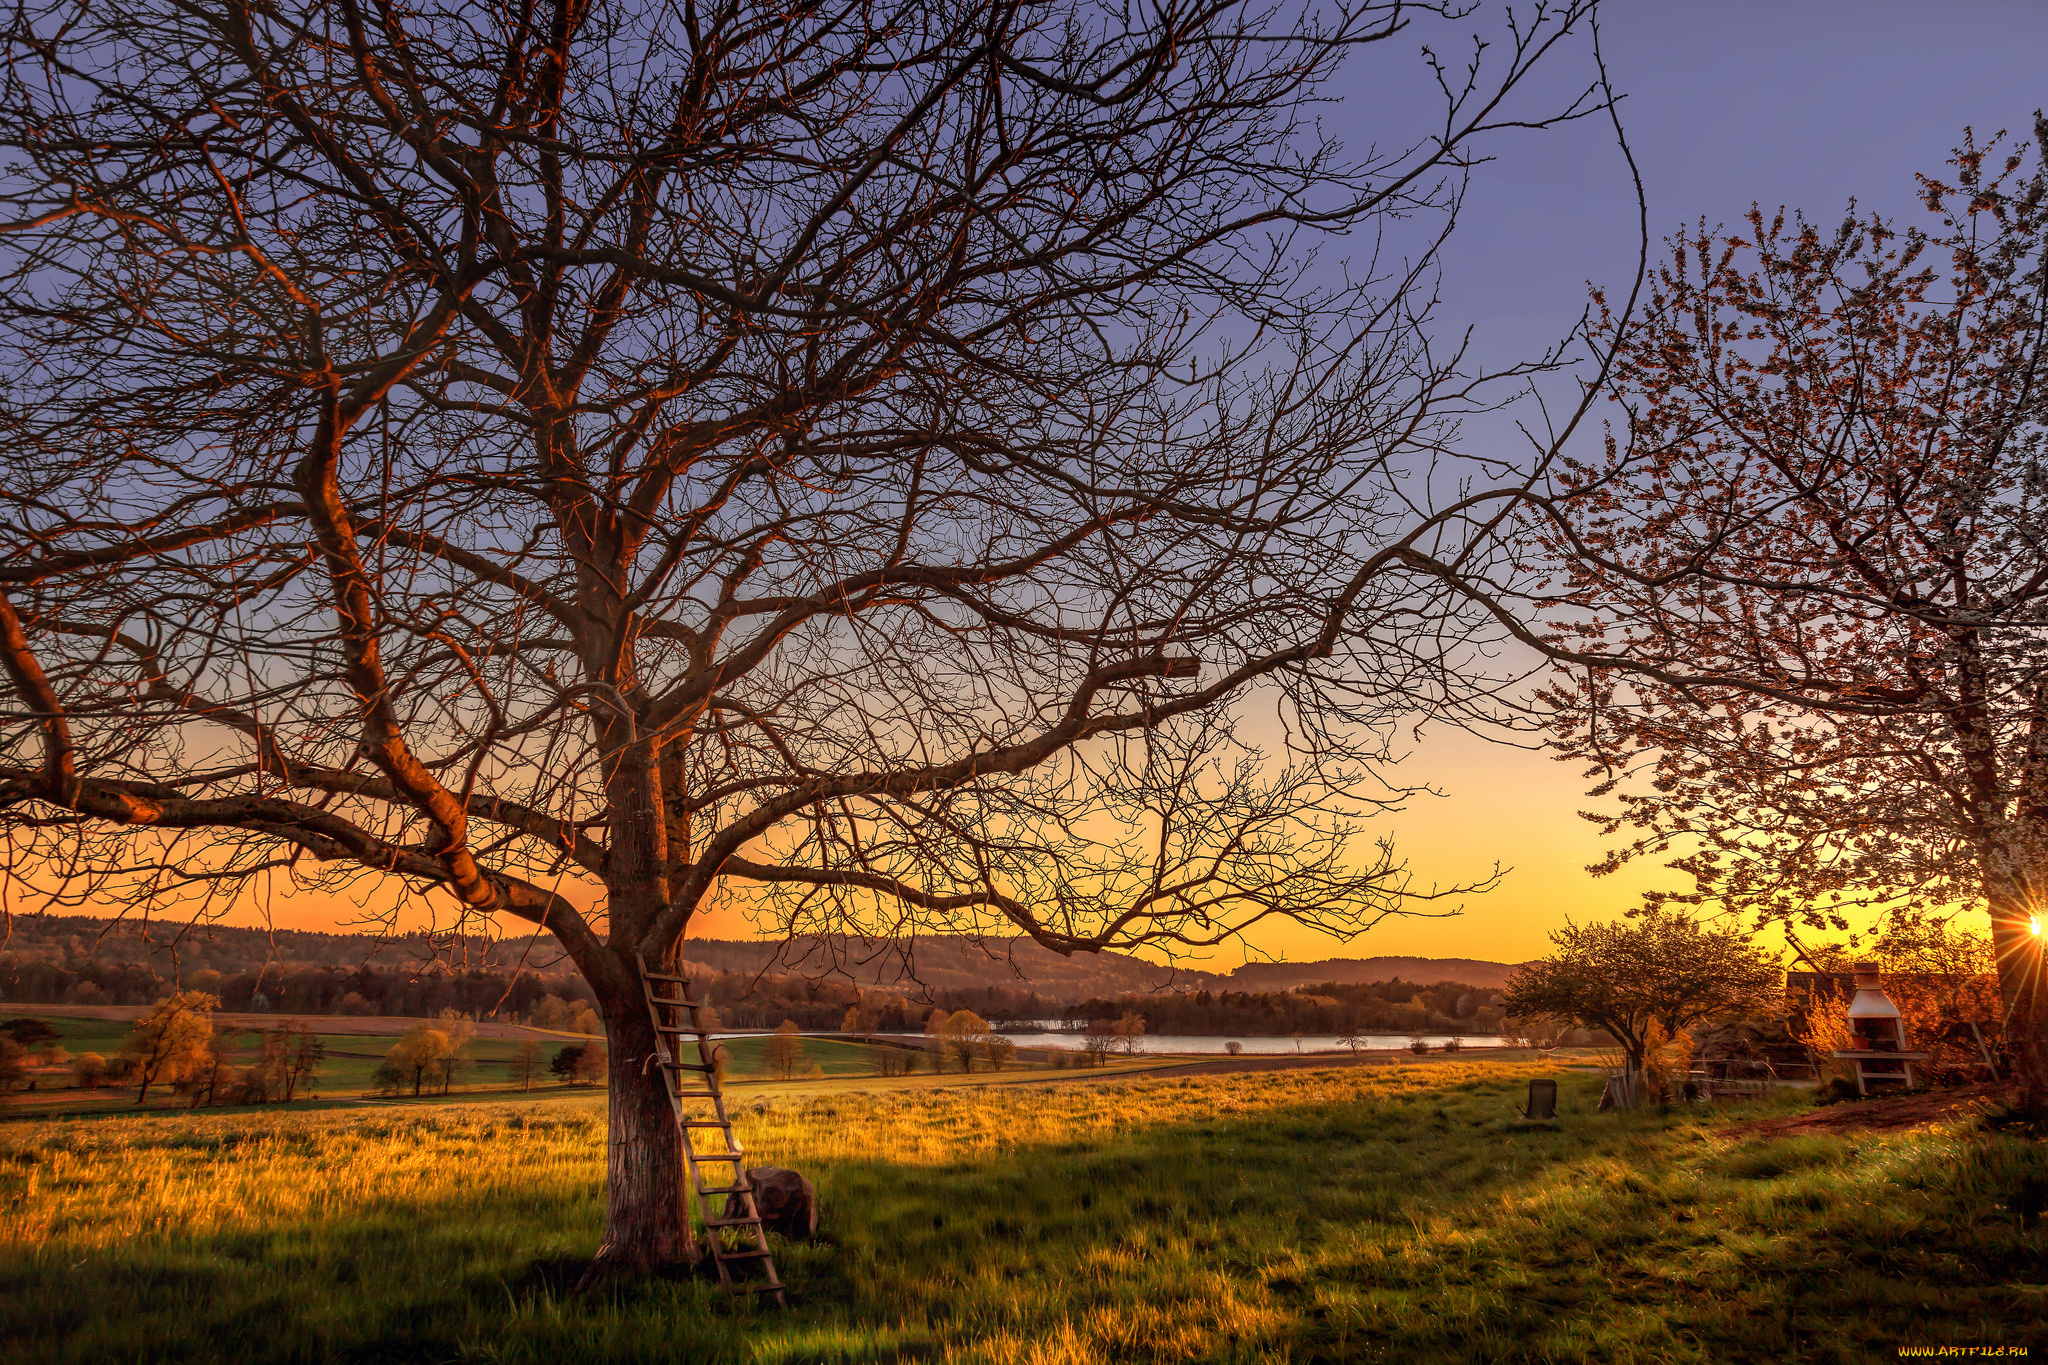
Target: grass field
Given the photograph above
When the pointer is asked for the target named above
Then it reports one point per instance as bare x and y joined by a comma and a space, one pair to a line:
1363, 1214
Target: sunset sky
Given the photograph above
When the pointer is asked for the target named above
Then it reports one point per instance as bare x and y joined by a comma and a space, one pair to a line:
1797, 102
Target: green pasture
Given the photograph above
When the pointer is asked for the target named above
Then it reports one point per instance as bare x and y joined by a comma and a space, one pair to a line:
837, 1060
488, 1064
1398, 1214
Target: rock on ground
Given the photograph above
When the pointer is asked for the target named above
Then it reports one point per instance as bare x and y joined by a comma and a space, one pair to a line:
788, 1202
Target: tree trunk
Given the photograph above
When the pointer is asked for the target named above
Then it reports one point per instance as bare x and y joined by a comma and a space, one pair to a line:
646, 1216
2025, 997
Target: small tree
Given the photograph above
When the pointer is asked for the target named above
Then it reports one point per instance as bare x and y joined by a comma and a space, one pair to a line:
965, 1035
526, 1064
214, 1073
935, 1029
1099, 1039
460, 1030
860, 1019
419, 1055
1352, 1037
593, 1065
1662, 972
302, 1054
999, 1050
264, 1079
1129, 1029
785, 1049
172, 1040
13, 1063
88, 1069
1233, 1047
566, 1061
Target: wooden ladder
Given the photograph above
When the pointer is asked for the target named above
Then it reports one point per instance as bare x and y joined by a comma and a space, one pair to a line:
668, 1014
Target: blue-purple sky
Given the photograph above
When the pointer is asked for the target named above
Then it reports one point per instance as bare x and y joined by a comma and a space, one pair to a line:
1803, 103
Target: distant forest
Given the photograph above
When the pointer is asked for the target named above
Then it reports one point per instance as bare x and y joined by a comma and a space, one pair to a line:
81, 960
77, 959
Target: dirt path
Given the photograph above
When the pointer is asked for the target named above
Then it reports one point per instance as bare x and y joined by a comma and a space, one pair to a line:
1878, 1116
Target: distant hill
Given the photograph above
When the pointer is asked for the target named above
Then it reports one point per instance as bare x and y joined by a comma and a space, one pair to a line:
229, 949
1281, 976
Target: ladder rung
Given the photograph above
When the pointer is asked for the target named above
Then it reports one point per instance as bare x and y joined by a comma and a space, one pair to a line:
732, 1223
670, 1028
707, 1191
664, 976
688, 1066
698, 1095
704, 1123
755, 1254
717, 1156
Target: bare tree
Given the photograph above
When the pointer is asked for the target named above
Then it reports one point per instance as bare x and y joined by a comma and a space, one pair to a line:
526, 1063
784, 1049
581, 460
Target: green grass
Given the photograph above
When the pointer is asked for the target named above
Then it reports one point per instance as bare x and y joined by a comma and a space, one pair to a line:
1395, 1214
352, 1060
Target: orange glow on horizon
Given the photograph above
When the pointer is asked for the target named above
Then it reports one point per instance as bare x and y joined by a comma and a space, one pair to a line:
1500, 806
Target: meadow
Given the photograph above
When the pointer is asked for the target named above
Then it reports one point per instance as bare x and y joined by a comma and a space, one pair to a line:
1395, 1213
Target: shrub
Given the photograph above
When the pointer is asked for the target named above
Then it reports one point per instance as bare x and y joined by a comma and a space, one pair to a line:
30, 1033
387, 1079
13, 1063
565, 1062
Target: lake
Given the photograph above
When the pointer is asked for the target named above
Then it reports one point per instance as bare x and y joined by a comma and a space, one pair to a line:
1253, 1044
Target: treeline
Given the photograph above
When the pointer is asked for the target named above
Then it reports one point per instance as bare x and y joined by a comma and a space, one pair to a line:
746, 1001
176, 949
1332, 1007
292, 990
